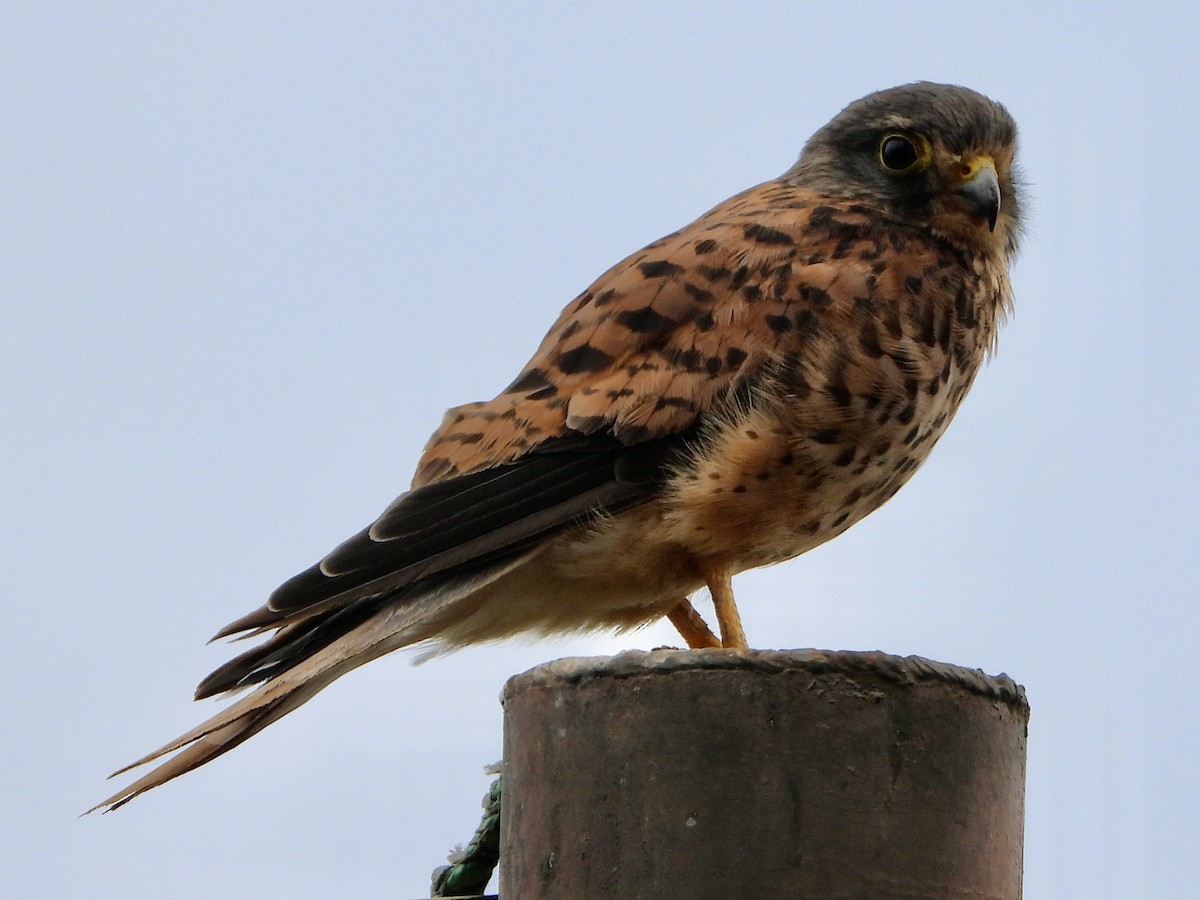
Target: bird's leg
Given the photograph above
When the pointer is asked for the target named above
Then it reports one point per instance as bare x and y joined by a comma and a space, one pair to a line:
692, 626
720, 585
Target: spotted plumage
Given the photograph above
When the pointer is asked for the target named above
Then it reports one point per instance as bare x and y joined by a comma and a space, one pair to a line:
730, 396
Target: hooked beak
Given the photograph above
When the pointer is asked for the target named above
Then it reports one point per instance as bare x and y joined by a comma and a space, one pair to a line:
979, 189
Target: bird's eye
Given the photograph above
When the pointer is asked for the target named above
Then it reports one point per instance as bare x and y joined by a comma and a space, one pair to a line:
900, 153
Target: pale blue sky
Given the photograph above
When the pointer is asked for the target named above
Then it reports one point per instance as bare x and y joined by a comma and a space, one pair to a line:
250, 251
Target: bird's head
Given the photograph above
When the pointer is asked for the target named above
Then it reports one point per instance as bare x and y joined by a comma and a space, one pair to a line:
936, 155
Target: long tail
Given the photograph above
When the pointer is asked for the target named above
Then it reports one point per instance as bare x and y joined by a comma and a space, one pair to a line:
394, 625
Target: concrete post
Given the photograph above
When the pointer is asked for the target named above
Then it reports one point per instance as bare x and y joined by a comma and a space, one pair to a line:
767, 774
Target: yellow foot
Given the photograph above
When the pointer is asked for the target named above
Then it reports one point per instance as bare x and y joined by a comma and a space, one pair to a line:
720, 584
691, 626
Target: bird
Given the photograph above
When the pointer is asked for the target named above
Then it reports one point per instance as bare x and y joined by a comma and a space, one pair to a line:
728, 397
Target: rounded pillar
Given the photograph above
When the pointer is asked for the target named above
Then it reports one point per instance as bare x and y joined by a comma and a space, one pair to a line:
764, 774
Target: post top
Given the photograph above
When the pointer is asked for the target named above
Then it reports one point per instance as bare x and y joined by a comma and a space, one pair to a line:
900, 670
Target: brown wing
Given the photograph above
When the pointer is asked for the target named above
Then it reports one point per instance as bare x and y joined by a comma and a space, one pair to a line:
590, 426
653, 344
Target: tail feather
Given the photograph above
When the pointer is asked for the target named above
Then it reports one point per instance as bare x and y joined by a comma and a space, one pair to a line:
417, 618
206, 745
290, 645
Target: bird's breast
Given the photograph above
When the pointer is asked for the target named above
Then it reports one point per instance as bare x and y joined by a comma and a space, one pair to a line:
826, 443
851, 407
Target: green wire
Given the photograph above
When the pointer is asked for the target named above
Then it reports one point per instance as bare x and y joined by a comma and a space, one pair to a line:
471, 869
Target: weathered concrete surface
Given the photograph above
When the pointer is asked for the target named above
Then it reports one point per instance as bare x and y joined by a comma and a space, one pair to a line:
770, 774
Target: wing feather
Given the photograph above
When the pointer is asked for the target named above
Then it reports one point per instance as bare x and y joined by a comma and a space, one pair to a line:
656, 342
438, 534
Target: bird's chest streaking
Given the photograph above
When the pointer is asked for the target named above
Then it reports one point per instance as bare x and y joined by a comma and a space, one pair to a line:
874, 352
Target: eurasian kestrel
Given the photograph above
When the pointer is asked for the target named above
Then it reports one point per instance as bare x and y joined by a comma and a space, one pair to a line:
732, 395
